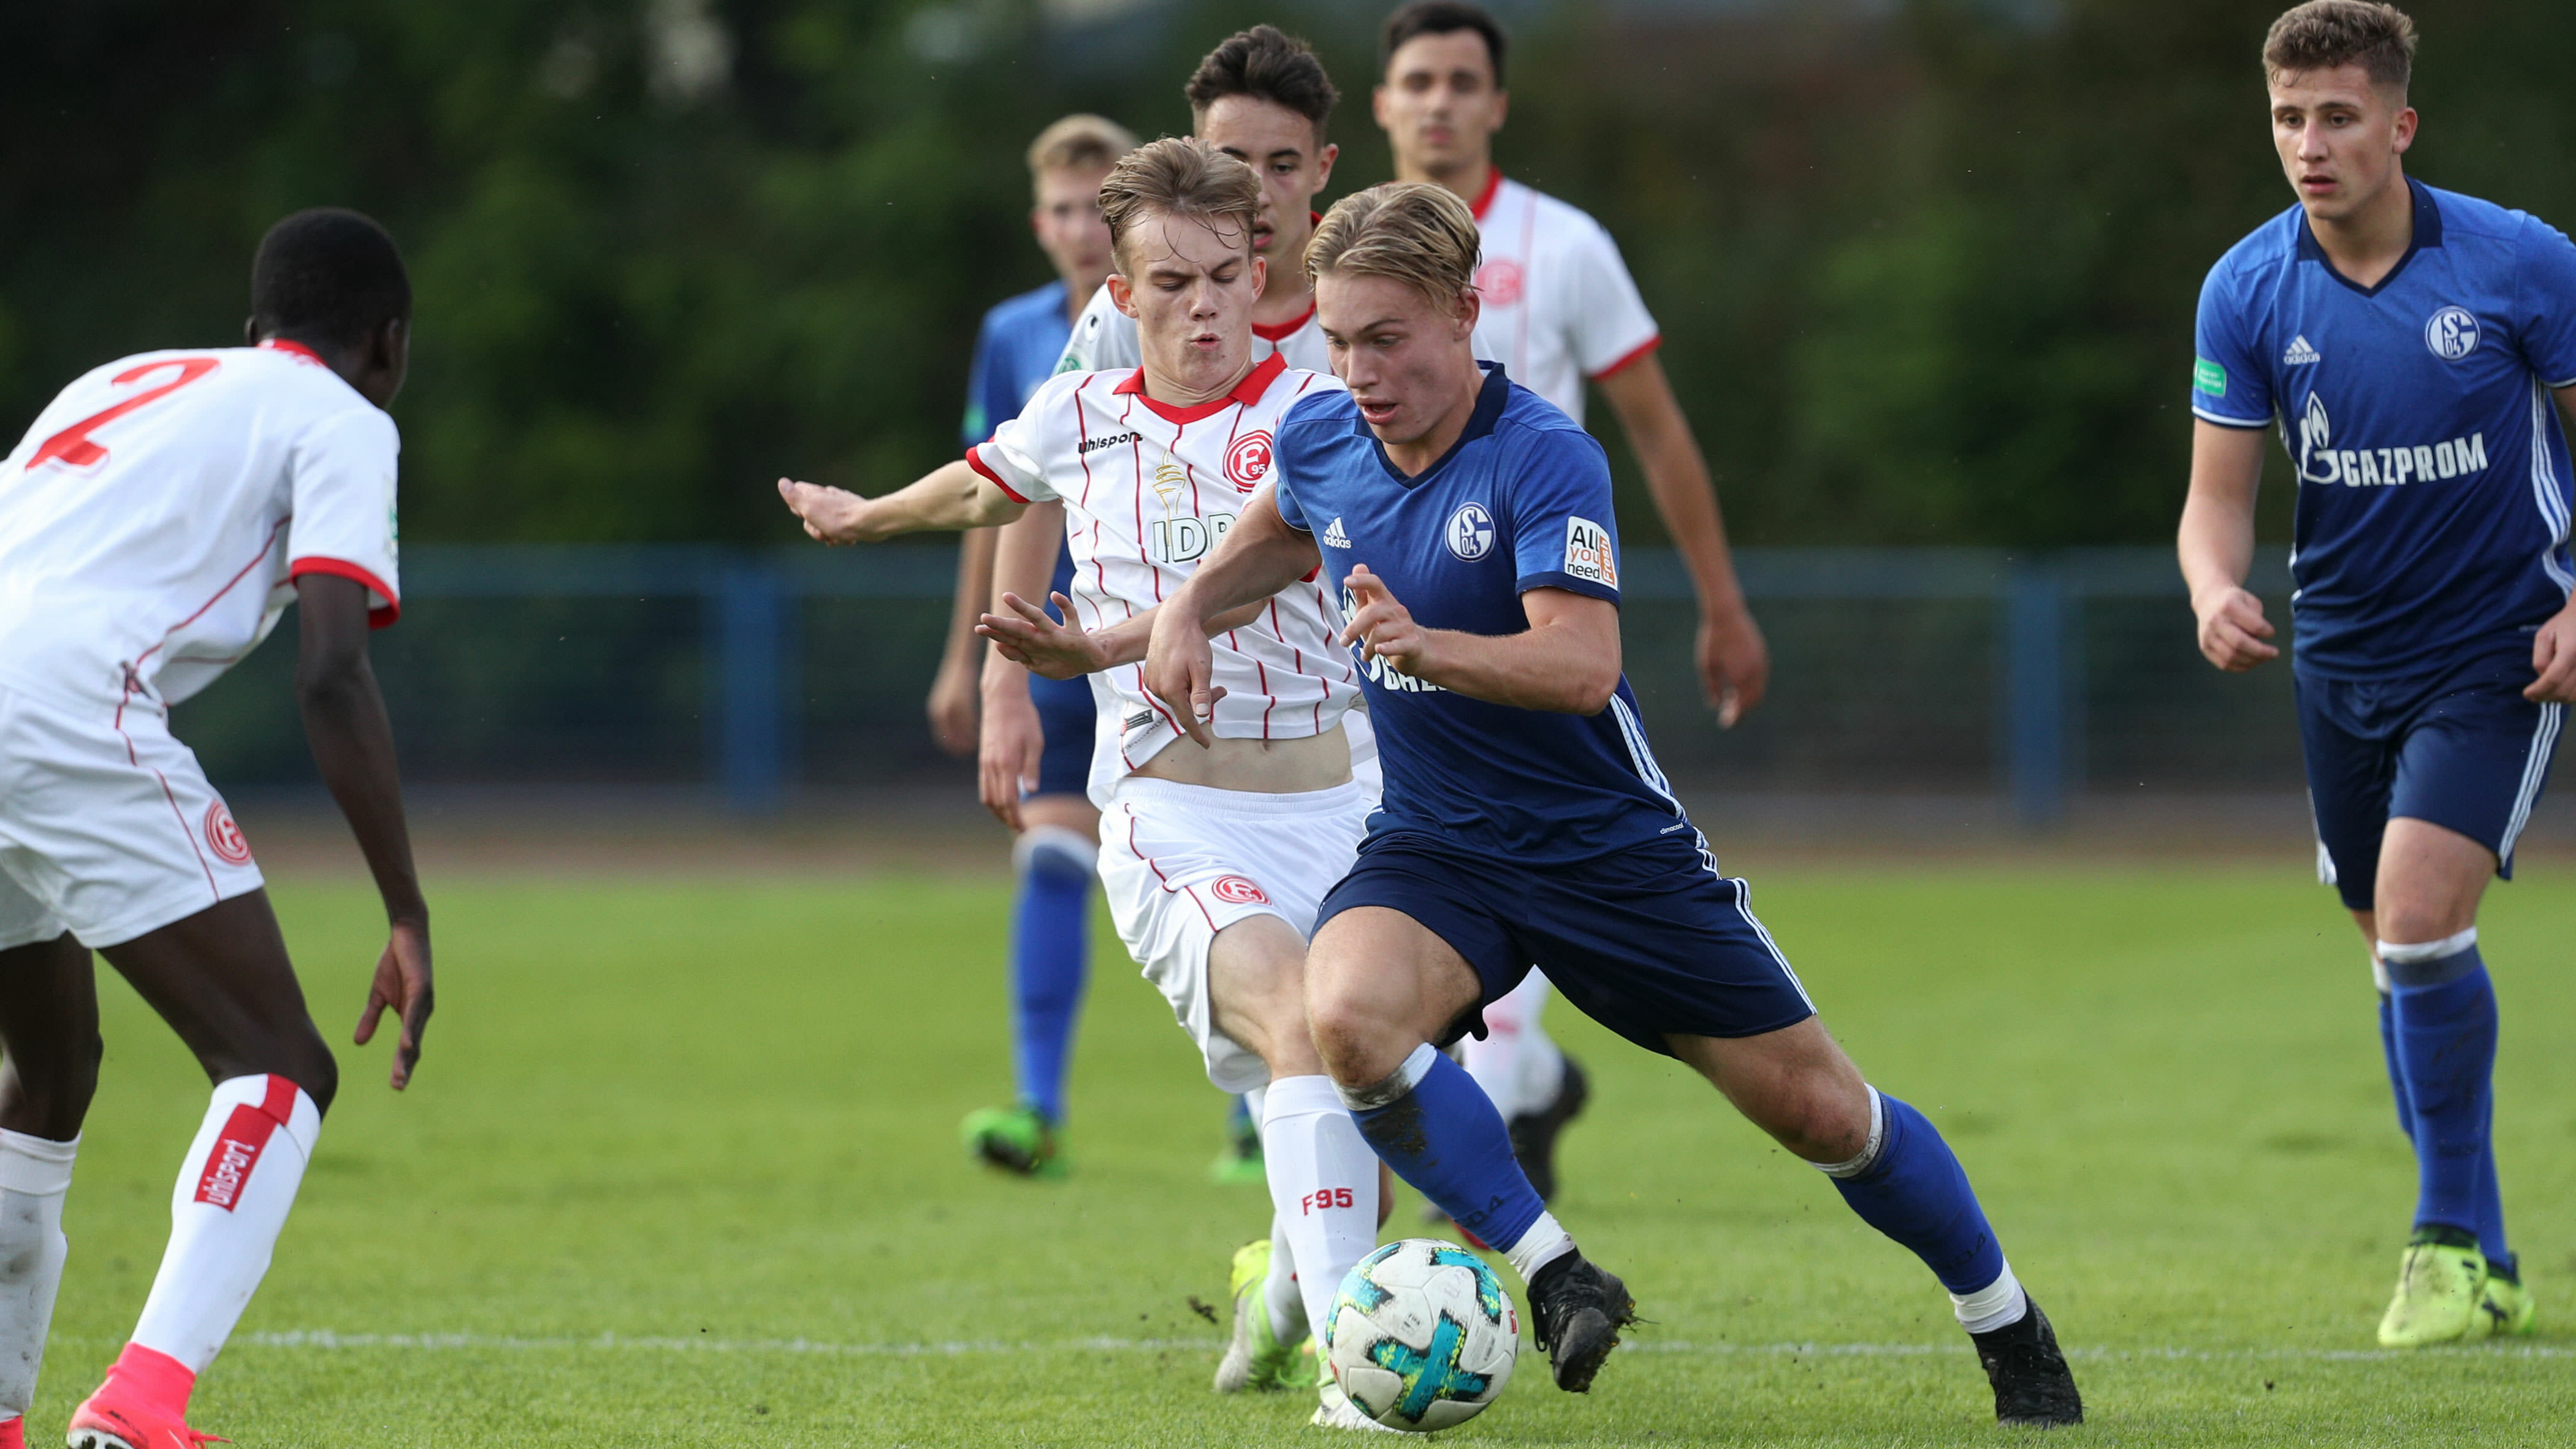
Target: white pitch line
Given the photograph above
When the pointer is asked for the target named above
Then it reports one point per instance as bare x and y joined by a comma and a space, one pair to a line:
324, 1338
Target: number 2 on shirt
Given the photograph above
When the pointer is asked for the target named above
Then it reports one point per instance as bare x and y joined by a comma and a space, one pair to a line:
72, 446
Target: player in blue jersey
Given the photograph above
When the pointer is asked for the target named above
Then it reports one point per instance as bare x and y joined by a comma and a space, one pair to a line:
1041, 726
2406, 342
1524, 821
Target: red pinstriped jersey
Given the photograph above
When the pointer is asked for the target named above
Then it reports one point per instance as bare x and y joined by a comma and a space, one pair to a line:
1148, 490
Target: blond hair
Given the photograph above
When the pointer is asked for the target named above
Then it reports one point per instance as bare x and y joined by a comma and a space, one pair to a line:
1179, 176
1417, 233
2331, 34
1079, 142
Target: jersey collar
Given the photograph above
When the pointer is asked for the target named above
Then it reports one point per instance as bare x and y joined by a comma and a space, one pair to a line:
2428, 233
1254, 384
1480, 423
1281, 331
293, 349
1484, 201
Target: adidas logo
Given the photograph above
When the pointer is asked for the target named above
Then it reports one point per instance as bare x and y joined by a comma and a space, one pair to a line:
2300, 352
1333, 534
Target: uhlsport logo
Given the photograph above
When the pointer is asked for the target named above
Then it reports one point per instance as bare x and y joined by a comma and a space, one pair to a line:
1248, 461
2452, 334
1237, 891
224, 837
1471, 532
2321, 462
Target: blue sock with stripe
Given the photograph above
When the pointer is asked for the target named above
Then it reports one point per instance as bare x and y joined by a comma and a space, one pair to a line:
2443, 1014
1908, 1184
1438, 1130
1050, 959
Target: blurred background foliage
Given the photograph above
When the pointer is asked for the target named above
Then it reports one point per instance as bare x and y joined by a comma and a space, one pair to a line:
1926, 269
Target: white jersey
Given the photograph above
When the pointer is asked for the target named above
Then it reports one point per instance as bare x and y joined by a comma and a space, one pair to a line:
1148, 489
153, 520
1104, 340
1559, 306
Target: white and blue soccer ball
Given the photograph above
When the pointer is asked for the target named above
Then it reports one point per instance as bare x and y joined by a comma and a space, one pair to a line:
1422, 1335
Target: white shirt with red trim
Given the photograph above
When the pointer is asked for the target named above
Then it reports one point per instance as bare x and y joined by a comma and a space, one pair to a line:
1105, 340
1559, 306
154, 519
1148, 490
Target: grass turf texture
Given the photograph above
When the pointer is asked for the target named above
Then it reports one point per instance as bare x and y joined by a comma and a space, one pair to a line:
680, 1169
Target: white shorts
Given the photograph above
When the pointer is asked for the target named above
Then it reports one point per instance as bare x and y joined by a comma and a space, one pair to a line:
1183, 862
108, 828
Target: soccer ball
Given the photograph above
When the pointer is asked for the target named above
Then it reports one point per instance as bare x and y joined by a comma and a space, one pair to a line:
1422, 1335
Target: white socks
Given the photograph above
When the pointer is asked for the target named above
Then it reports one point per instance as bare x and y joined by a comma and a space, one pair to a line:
1997, 1305
234, 1190
1517, 1064
1323, 1187
35, 1172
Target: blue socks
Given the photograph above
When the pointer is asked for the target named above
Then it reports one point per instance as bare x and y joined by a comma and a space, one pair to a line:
1438, 1130
1908, 1184
2440, 1027
1050, 956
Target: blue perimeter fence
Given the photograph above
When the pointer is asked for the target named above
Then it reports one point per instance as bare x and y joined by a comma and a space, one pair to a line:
765, 673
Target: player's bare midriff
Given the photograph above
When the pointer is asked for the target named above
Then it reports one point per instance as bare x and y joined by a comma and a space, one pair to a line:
1265, 767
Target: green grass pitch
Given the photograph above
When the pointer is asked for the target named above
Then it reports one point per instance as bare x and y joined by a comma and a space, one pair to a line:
680, 1168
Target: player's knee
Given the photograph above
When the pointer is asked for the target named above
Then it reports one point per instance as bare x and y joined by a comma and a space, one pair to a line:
1815, 1117
1358, 1046
1055, 855
55, 1091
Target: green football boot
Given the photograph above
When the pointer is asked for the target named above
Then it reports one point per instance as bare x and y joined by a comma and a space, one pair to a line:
1015, 1139
2505, 1303
1254, 1359
2438, 1292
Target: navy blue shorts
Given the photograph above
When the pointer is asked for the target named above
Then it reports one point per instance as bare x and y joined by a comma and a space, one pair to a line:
1646, 942
1066, 714
2460, 748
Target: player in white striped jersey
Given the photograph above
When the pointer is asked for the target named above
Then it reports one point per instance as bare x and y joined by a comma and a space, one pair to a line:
1263, 98
1559, 311
1215, 858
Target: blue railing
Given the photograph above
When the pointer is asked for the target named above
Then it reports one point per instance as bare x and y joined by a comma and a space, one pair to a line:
750, 604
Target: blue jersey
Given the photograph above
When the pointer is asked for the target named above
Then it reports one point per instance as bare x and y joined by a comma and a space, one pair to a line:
2433, 471
1015, 352
1521, 502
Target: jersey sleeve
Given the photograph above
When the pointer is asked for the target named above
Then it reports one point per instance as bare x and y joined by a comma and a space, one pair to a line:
1103, 340
1292, 461
1013, 458
345, 522
1563, 532
2545, 302
1610, 324
2228, 387
987, 399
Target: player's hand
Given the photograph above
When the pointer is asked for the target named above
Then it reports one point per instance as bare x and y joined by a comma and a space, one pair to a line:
1006, 765
952, 706
1178, 663
402, 987
830, 514
1734, 663
2553, 655
1382, 627
1028, 636
2232, 630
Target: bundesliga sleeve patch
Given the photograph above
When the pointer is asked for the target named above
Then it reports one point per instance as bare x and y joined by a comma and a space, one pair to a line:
2208, 377
1587, 553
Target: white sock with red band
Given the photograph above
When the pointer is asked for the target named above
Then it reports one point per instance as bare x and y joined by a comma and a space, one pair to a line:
1516, 1062
233, 1195
35, 1173
1323, 1186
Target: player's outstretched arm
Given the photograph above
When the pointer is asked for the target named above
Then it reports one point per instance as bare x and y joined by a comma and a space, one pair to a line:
953, 496
2553, 647
1260, 556
2217, 545
353, 747
1734, 662
1566, 661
